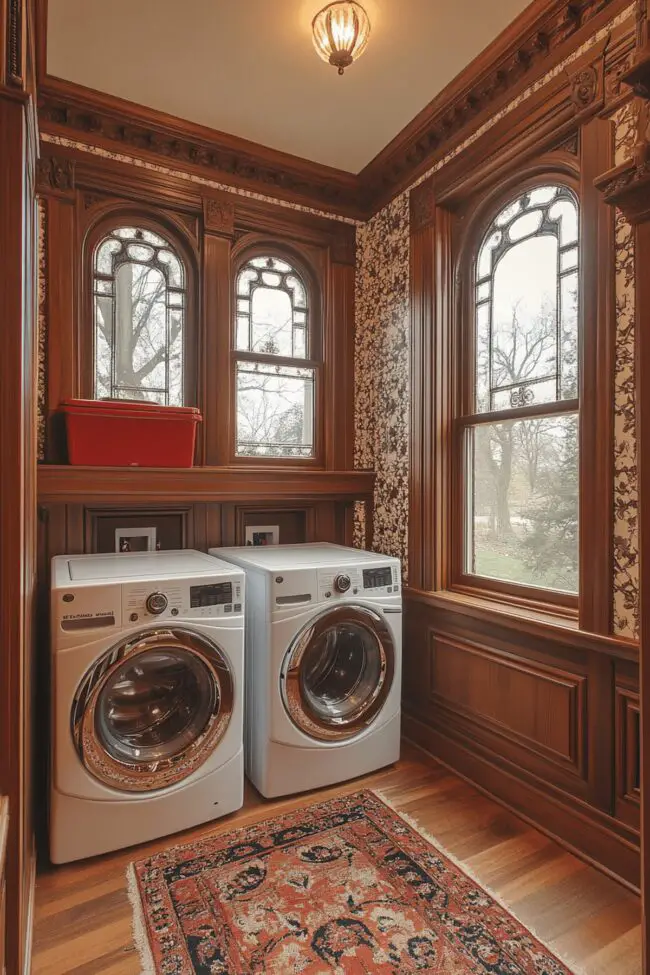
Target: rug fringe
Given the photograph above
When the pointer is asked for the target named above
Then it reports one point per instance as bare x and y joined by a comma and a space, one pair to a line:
139, 925
575, 967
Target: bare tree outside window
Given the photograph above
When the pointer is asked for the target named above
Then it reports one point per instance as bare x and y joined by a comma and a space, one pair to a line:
275, 377
522, 519
140, 300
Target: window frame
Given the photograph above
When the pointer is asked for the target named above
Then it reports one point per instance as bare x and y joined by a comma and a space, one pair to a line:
101, 228
464, 416
310, 280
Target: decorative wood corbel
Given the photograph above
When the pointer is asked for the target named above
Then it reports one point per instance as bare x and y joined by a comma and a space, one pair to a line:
219, 215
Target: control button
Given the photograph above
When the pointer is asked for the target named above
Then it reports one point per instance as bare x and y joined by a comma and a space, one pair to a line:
355, 590
279, 579
238, 607
174, 612
68, 597
133, 617
228, 608
342, 582
156, 603
328, 595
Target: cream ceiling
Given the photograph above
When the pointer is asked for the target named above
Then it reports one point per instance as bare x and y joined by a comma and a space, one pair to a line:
247, 67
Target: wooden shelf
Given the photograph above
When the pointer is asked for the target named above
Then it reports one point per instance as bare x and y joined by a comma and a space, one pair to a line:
124, 485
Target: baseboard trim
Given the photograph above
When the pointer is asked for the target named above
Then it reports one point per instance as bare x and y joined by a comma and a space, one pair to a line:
581, 835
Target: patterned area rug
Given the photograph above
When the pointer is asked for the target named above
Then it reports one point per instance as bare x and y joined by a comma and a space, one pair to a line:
345, 887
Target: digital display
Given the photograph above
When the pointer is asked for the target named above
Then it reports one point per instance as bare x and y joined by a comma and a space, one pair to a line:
212, 595
375, 578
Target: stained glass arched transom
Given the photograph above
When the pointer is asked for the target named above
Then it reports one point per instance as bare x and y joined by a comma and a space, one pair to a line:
140, 307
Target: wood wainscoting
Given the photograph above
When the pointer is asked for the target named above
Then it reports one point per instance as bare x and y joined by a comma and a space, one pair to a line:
547, 726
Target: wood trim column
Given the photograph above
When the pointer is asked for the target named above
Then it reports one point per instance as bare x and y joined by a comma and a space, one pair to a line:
628, 187
338, 358
598, 335
216, 392
431, 412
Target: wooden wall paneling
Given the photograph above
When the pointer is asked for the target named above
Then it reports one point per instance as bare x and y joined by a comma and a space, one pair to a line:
597, 381
17, 465
430, 427
539, 708
628, 747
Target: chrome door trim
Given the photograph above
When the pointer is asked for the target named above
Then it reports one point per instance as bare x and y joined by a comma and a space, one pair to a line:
293, 697
147, 777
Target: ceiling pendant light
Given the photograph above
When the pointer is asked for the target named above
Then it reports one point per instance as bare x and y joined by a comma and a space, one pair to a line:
341, 31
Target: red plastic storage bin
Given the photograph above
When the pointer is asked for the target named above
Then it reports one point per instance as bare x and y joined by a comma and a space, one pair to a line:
115, 433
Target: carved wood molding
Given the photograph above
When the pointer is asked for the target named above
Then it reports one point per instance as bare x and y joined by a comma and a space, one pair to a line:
536, 41
587, 81
80, 113
219, 215
15, 57
55, 175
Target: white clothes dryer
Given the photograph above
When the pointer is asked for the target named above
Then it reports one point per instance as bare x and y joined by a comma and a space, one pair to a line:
147, 697
323, 664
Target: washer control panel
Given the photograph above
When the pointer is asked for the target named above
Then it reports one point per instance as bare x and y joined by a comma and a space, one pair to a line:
190, 599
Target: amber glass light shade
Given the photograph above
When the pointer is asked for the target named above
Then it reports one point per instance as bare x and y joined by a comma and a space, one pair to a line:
341, 31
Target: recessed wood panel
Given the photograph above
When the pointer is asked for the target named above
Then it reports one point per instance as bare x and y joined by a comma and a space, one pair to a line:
292, 523
541, 708
628, 755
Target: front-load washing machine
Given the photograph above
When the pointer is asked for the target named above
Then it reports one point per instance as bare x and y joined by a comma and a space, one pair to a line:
323, 663
147, 697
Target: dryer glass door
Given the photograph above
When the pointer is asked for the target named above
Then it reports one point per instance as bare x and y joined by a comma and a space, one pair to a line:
153, 709
338, 673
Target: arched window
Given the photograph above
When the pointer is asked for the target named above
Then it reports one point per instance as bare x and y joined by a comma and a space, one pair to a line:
140, 302
275, 363
521, 437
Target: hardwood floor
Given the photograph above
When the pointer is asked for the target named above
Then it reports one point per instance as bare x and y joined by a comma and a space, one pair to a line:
83, 917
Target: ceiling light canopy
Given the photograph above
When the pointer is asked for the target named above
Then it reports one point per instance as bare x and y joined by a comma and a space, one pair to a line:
341, 31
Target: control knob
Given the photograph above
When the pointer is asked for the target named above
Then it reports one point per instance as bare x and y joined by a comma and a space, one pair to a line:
342, 582
156, 603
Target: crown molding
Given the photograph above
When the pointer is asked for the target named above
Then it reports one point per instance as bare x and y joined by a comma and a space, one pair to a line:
543, 36
116, 125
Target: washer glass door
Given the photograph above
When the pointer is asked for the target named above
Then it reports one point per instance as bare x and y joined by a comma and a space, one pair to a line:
338, 672
152, 710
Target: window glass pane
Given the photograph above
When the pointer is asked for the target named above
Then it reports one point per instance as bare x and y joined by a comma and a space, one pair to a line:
271, 301
524, 308
523, 502
272, 321
275, 410
139, 318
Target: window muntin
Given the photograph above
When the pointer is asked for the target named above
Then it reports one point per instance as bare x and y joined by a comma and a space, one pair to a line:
140, 306
275, 376
521, 470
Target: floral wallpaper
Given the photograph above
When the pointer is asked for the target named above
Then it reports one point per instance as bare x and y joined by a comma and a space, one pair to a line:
41, 338
625, 527
382, 371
